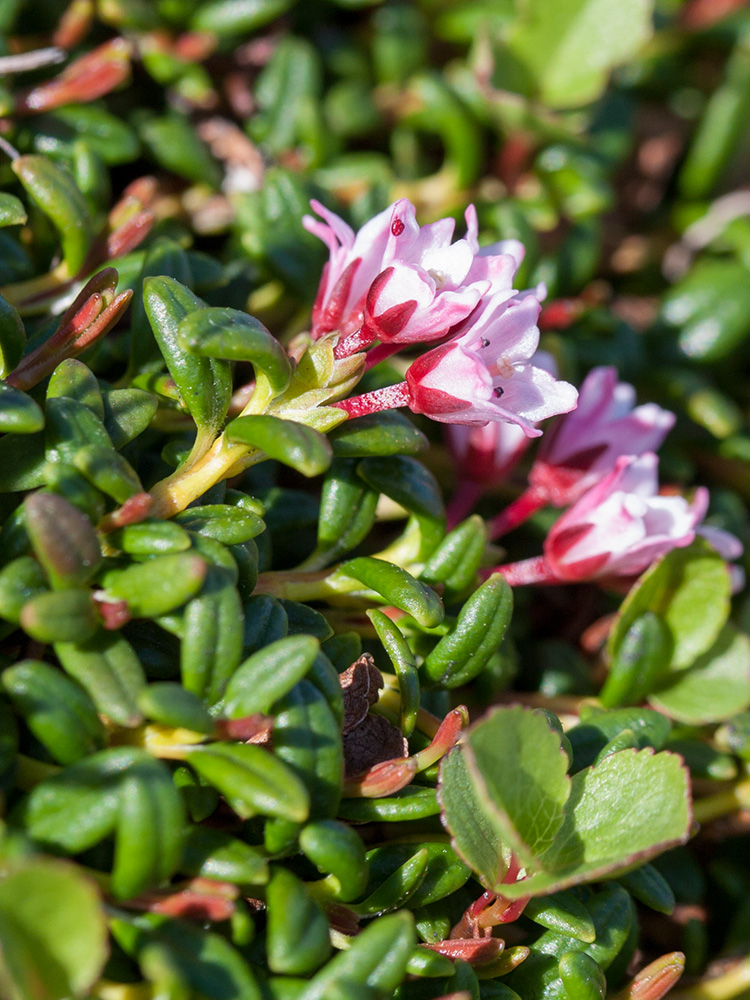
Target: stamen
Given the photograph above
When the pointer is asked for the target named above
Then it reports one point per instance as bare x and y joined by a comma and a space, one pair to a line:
397, 227
498, 391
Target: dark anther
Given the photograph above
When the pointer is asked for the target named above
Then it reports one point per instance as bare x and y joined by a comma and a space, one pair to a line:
397, 227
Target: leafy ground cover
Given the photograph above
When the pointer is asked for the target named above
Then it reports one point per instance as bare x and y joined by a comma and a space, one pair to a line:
373, 618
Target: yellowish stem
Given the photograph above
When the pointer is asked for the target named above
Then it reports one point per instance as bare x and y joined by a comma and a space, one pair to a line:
187, 483
723, 803
730, 984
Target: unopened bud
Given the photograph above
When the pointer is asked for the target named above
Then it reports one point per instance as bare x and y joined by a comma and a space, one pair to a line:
653, 982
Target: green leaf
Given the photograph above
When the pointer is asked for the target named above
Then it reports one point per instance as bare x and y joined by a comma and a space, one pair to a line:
504, 788
216, 855
287, 441
307, 738
231, 335
570, 48
237, 17
378, 434
414, 487
253, 780
19, 414
642, 659
53, 931
710, 307
297, 932
54, 191
714, 688
337, 848
474, 639
396, 587
12, 212
157, 586
404, 664
56, 710
377, 958
205, 384
528, 792
150, 821
268, 675
689, 590
456, 560
12, 337
347, 513
107, 667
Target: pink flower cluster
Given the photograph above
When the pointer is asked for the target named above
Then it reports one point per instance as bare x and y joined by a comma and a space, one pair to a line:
600, 460
397, 283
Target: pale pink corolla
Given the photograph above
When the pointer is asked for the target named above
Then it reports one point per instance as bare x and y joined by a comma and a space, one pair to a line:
488, 453
485, 373
584, 445
622, 524
397, 282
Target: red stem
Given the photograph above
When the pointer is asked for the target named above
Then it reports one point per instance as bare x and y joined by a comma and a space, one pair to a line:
380, 353
387, 398
521, 574
530, 501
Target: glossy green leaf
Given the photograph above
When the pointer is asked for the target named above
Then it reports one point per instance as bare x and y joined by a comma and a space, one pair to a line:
231, 335
710, 307
157, 586
287, 441
338, 850
54, 931
12, 212
481, 624
642, 659
396, 587
19, 414
689, 590
170, 704
404, 664
268, 675
12, 337
216, 855
307, 738
555, 47
57, 711
53, 190
297, 933
107, 667
714, 688
253, 780
378, 434
377, 958
205, 384
60, 616
413, 486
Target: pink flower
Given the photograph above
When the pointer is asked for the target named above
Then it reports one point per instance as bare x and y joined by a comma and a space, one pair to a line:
622, 524
584, 446
484, 373
397, 282
488, 453
354, 263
